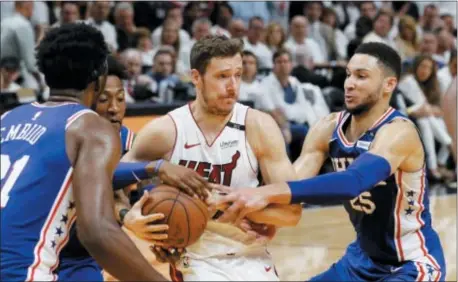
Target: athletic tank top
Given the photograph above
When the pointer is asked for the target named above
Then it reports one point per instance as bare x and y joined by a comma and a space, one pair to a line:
228, 160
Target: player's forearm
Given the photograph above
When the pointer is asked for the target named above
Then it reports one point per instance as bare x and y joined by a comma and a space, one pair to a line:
121, 206
127, 173
363, 174
278, 215
116, 253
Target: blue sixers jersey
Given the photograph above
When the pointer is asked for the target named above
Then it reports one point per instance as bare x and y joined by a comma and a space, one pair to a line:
392, 220
37, 206
74, 252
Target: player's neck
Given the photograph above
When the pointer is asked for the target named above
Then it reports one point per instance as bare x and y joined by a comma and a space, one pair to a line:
207, 121
361, 123
63, 98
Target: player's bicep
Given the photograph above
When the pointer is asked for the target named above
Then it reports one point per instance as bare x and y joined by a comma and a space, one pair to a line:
269, 145
315, 148
395, 142
153, 141
97, 155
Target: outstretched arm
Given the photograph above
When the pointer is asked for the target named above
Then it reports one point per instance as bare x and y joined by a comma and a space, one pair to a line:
94, 157
266, 140
396, 146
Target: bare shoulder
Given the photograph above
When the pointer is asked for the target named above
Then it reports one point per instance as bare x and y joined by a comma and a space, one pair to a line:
256, 119
401, 132
324, 127
154, 141
92, 130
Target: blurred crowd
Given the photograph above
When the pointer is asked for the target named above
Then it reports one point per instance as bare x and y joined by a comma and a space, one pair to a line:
294, 60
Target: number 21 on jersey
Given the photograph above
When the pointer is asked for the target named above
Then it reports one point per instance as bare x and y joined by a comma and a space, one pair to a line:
9, 175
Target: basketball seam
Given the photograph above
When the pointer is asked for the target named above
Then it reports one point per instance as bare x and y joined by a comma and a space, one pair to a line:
198, 207
187, 220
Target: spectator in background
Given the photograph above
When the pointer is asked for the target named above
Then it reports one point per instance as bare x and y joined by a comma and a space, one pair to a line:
132, 60
407, 39
422, 88
237, 28
221, 17
9, 73
299, 37
250, 88
252, 42
382, 26
329, 17
174, 14
100, 10
366, 9
69, 13
163, 74
430, 19
17, 39
446, 74
275, 36
286, 95
303, 69
445, 44
321, 33
200, 28
191, 12
145, 46
125, 26
449, 23
250, 9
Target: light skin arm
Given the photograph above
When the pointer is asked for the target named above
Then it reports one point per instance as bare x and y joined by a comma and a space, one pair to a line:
268, 145
449, 108
94, 157
315, 148
398, 143
155, 141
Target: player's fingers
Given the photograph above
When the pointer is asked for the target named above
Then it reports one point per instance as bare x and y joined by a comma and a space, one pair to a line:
159, 253
220, 188
185, 188
196, 187
231, 213
157, 228
154, 236
221, 201
152, 218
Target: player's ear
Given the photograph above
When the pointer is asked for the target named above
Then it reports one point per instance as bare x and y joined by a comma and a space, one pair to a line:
390, 84
196, 78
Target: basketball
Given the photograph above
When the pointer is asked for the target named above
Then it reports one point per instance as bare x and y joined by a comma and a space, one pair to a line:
187, 217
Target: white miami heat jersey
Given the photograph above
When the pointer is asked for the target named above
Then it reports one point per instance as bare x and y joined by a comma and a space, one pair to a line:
229, 160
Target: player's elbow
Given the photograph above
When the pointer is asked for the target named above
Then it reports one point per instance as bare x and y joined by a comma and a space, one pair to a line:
92, 234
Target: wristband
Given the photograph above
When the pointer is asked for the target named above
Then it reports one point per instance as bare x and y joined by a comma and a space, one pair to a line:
122, 214
158, 166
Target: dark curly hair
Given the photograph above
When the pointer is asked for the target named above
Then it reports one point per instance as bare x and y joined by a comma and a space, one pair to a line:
116, 68
72, 56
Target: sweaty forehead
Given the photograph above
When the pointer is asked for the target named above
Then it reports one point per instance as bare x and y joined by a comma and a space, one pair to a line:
225, 63
363, 62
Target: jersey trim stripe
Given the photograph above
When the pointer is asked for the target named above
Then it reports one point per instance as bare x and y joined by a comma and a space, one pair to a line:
36, 104
44, 232
383, 118
63, 243
421, 272
130, 140
4, 114
398, 218
76, 115
255, 170
420, 210
343, 119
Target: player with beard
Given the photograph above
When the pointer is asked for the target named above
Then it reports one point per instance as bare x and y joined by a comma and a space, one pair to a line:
227, 143
380, 176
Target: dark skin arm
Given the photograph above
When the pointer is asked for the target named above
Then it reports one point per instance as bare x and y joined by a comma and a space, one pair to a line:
94, 150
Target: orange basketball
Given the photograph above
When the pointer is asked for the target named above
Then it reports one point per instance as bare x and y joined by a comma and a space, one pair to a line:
187, 217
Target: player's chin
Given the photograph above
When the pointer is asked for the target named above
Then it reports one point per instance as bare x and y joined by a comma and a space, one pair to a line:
226, 105
116, 125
